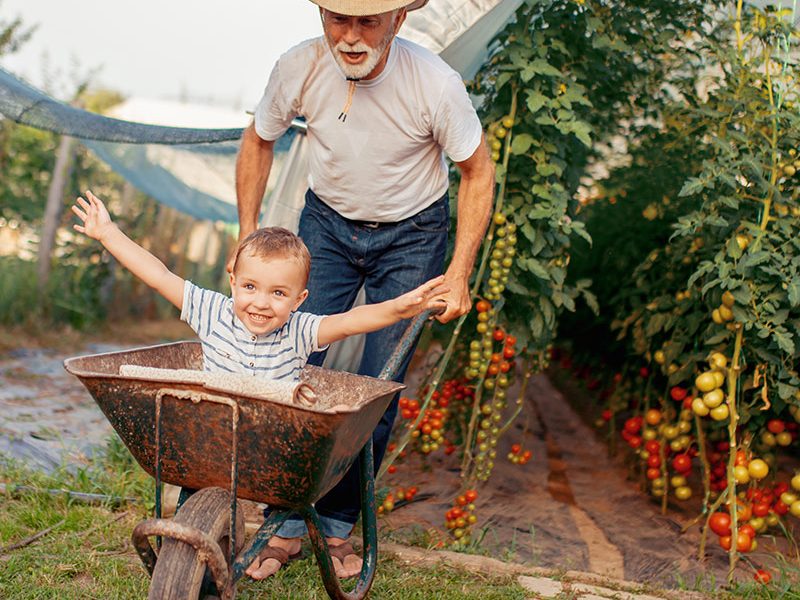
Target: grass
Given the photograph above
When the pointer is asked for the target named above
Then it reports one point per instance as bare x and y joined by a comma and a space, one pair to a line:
88, 554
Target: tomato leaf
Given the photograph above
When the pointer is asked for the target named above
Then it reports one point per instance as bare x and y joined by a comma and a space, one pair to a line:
784, 340
536, 100
521, 143
794, 292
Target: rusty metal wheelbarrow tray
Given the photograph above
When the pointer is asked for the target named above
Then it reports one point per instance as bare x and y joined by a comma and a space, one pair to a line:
287, 455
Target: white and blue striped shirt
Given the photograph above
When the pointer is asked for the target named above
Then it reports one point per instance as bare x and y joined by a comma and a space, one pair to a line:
228, 346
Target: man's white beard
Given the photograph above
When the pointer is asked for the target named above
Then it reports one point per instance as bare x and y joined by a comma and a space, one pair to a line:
374, 55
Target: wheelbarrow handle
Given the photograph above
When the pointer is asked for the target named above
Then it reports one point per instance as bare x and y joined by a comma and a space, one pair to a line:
406, 342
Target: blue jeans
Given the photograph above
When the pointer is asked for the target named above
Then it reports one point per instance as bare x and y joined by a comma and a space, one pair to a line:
388, 259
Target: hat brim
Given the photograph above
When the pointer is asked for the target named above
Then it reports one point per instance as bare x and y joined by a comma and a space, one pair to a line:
359, 8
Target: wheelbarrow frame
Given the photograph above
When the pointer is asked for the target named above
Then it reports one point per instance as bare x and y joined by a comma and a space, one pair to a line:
226, 571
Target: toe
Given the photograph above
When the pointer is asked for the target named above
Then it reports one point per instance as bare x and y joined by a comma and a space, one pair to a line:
267, 568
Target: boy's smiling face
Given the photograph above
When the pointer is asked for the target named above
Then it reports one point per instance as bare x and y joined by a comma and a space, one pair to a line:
266, 290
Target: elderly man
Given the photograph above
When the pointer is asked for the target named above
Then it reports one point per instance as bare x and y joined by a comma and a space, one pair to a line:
381, 113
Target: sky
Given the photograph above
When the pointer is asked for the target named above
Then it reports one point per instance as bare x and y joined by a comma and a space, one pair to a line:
199, 50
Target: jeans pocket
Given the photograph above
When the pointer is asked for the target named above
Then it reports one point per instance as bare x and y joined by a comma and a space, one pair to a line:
434, 219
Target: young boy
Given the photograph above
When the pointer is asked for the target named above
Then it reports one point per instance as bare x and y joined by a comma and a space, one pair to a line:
257, 330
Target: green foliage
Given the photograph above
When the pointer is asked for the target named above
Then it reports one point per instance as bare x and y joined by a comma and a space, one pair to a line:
72, 295
577, 74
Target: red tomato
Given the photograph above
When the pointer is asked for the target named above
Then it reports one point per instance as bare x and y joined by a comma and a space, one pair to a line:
748, 530
761, 509
741, 458
776, 426
606, 415
497, 357
653, 473
508, 352
677, 393
652, 446
482, 306
780, 508
515, 448
720, 523
510, 340
654, 461
471, 495
682, 463
762, 576
499, 335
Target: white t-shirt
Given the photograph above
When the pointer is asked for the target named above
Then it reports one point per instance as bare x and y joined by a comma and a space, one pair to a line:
386, 161
229, 347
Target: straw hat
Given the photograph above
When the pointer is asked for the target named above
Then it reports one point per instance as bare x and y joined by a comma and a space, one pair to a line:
357, 8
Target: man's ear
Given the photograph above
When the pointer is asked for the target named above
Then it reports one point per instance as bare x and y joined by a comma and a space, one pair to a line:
400, 19
300, 299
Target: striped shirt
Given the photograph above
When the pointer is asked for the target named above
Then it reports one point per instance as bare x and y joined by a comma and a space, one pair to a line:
228, 346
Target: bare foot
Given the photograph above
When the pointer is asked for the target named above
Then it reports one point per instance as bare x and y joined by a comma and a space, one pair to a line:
346, 563
278, 552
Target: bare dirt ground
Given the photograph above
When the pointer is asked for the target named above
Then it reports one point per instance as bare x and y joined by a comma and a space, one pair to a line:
571, 507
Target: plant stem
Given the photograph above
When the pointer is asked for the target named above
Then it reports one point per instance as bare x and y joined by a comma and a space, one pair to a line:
733, 377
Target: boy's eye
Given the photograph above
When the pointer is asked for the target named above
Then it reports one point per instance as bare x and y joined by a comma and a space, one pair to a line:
249, 286
279, 293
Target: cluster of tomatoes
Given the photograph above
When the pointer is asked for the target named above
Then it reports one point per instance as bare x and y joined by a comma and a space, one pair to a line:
492, 406
460, 518
656, 440
400, 495
518, 456
724, 313
496, 132
430, 431
779, 433
709, 384
502, 257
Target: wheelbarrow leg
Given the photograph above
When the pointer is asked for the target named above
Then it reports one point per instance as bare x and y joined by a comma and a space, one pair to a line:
369, 528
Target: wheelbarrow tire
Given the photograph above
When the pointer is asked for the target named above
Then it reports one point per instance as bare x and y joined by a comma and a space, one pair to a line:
178, 574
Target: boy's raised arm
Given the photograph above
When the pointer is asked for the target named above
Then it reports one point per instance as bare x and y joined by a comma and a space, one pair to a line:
371, 317
97, 225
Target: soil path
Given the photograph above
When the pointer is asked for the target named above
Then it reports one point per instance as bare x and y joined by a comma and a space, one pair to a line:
570, 507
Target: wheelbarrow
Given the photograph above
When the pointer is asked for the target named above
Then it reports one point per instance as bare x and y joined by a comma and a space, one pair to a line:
237, 445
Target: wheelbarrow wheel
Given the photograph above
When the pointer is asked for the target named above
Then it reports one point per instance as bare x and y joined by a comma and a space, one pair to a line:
179, 571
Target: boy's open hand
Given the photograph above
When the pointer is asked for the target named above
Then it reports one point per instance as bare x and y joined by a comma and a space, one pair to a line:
95, 217
423, 298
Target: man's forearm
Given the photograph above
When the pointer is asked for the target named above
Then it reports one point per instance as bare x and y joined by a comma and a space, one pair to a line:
475, 194
252, 172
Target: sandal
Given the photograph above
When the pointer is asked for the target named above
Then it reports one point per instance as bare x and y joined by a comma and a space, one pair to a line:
341, 552
279, 554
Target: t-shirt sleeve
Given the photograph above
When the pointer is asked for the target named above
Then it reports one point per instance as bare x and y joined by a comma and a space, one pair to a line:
201, 308
274, 112
456, 126
304, 333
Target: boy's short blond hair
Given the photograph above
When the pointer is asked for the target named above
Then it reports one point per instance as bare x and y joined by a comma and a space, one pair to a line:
272, 242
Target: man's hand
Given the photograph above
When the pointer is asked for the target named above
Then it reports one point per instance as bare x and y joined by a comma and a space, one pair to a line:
428, 295
458, 297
